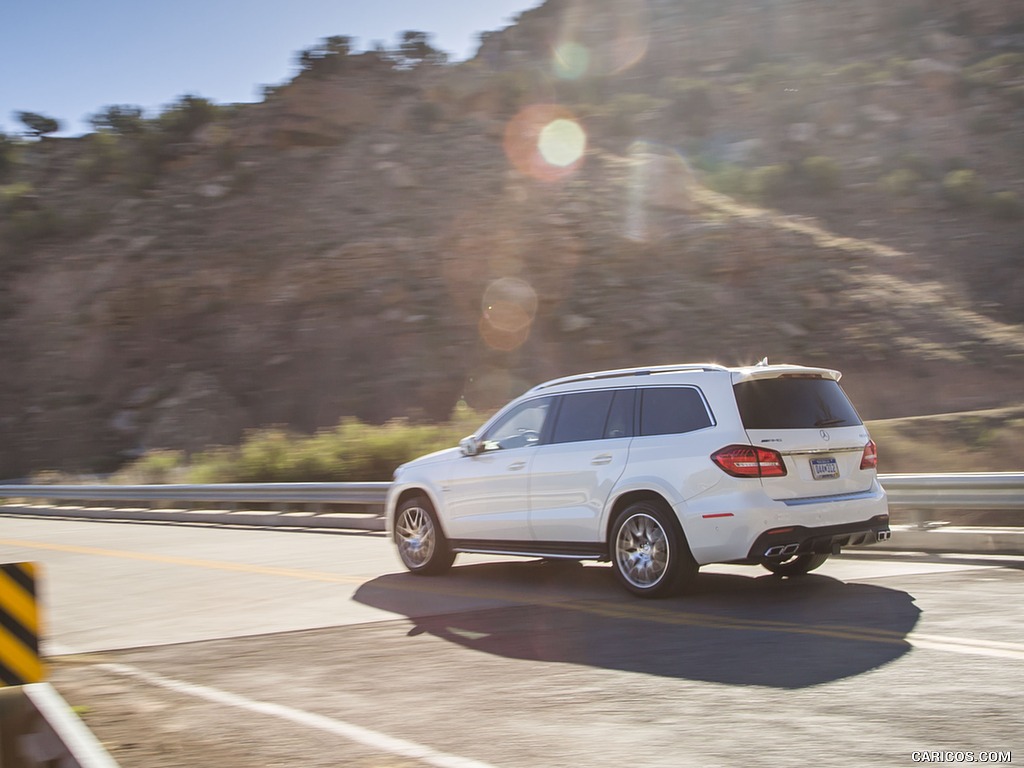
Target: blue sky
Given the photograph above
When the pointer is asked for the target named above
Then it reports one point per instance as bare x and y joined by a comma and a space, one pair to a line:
69, 58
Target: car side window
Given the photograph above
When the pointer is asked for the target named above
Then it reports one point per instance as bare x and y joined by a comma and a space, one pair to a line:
520, 426
673, 410
582, 416
620, 417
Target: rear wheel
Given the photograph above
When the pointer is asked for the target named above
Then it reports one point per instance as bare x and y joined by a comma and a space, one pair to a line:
648, 551
797, 565
421, 542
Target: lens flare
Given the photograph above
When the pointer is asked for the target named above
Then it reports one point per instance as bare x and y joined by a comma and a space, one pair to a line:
601, 38
545, 141
562, 142
572, 61
507, 311
660, 182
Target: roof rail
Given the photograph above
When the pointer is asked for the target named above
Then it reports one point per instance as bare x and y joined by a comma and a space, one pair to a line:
622, 372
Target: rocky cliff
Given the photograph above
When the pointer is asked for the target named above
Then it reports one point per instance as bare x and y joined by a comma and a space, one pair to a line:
605, 184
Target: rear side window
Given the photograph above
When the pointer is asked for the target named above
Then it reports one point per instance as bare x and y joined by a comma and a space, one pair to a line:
582, 416
672, 410
594, 416
790, 403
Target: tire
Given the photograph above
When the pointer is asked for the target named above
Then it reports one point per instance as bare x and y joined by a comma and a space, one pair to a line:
798, 565
421, 543
648, 551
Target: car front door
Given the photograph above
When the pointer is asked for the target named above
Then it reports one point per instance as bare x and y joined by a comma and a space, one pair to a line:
487, 495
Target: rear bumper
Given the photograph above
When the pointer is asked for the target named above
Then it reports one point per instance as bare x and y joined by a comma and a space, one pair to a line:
787, 541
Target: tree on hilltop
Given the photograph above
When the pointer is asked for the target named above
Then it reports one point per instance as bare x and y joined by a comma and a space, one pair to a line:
123, 119
415, 48
38, 125
327, 58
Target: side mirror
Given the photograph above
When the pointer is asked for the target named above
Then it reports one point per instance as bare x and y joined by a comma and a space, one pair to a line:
470, 446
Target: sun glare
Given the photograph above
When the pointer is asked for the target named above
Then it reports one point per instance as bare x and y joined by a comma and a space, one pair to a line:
562, 142
545, 141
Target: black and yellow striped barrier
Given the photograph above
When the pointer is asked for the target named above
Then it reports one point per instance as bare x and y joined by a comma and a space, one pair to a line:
19, 625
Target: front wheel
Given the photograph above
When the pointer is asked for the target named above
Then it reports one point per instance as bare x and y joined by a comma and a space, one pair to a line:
797, 565
421, 542
649, 552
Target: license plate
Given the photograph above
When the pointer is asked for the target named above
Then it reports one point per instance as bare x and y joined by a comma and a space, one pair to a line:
824, 469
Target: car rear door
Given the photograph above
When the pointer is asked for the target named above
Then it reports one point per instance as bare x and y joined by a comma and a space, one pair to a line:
572, 476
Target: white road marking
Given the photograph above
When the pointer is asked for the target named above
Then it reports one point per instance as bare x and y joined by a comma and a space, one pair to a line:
365, 736
993, 648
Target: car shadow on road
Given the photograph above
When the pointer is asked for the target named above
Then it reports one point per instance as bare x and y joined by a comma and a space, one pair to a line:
731, 629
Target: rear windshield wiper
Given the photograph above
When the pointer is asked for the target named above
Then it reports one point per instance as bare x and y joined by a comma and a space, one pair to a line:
829, 422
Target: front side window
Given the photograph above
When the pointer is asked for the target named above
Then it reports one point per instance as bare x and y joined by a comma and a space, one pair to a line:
673, 410
520, 426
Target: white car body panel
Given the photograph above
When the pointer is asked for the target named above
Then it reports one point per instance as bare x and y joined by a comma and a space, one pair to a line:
570, 486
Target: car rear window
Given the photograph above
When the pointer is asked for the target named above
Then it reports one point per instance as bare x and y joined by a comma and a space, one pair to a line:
792, 403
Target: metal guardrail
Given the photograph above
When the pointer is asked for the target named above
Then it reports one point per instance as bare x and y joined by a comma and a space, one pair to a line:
999, 490
360, 505
224, 493
323, 505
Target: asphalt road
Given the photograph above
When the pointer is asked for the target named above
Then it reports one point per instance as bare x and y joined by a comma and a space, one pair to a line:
189, 646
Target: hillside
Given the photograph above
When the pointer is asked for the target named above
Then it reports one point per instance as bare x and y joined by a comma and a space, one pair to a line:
824, 183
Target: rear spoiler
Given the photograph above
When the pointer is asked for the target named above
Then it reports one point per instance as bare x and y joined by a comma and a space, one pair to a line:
753, 373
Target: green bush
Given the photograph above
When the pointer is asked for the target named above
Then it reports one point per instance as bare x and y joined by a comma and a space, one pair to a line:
104, 156
856, 73
1006, 206
156, 467
821, 174
8, 155
900, 183
17, 196
768, 182
185, 116
729, 180
996, 70
962, 188
351, 452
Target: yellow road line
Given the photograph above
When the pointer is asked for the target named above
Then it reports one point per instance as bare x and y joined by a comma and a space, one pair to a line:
217, 565
566, 601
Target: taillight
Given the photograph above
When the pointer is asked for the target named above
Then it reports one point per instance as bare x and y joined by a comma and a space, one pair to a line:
749, 461
869, 460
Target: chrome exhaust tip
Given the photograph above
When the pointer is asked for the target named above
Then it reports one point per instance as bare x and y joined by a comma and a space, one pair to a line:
781, 550
884, 535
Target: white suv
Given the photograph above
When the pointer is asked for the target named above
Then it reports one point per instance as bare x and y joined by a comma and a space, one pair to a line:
659, 470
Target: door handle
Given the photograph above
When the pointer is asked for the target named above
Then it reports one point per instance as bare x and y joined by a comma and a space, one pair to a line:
516, 466
604, 458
